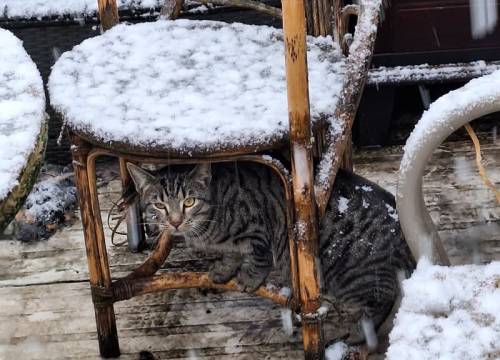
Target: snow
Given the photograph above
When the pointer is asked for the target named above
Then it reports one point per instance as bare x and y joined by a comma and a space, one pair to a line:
202, 85
22, 109
286, 321
343, 204
38, 9
336, 351
392, 212
50, 199
370, 333
415, 73
357, 63
470, 96
365, 204
448, 313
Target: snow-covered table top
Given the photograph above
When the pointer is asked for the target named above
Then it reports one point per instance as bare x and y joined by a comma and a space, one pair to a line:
188, 86
448, 313
22, 109
38, 9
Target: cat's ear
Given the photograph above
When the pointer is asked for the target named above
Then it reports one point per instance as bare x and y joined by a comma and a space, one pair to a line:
202, 174
141, 178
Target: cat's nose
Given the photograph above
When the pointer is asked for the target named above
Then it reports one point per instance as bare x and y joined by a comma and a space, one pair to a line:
176, 222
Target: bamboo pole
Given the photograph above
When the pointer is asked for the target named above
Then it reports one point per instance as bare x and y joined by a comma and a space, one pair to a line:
127, 288
97, 261
108, 13
294, 26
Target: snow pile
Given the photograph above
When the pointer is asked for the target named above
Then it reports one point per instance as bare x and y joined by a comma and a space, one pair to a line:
448, 313
50, 199
471, 96
38, 9
22, 109
188, 84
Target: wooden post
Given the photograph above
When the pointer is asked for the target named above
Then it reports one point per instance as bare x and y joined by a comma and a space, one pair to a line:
108, 13
99, 275
294, 27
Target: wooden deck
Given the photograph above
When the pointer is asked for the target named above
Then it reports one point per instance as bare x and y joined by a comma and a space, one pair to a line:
45, 305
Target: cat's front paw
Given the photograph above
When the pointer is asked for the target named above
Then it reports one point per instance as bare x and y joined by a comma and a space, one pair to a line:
250, 279
221, 272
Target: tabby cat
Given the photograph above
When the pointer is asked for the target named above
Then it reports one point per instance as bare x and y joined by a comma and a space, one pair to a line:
237, 212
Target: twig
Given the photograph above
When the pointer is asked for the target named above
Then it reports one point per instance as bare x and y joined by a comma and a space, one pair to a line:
480, 167
247, 4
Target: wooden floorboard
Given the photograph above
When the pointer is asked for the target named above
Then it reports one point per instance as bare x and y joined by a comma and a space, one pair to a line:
46, 311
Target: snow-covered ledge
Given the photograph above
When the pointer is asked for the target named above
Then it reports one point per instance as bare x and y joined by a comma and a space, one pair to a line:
22, 123
41, 9
477, 98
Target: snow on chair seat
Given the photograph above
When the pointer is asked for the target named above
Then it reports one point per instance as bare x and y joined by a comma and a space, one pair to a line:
189, 87
23, 129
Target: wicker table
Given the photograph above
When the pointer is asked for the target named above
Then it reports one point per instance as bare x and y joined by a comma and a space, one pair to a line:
23, 128
195, 91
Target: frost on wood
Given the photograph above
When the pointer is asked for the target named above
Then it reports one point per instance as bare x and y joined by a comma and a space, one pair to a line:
22, 110
38, 9
202, 84
426, 72
448, 313
357, 64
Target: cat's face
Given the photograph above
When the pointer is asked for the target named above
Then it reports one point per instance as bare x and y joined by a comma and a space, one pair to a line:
176, 202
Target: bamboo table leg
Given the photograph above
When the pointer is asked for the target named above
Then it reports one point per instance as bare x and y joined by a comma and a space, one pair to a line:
302, 175
99, 275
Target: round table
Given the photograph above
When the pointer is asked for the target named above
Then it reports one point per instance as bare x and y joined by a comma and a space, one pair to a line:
23, 129
188, 87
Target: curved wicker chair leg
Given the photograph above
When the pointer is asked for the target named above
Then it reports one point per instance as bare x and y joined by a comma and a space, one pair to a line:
99, 275
155, 259
440, 121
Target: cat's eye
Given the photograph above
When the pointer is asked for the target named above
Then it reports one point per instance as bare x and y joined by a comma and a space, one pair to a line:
188, 202
160, 205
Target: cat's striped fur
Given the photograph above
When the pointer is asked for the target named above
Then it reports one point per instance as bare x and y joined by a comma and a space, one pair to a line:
239, 215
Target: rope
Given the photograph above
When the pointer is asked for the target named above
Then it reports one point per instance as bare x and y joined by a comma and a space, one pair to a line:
479, 162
